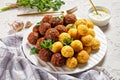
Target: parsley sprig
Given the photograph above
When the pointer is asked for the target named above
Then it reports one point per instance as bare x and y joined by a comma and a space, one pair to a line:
41, 5
47, 44
67, 41
34, 50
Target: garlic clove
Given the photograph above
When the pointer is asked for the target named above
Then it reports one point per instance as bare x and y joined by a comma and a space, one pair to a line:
28, 24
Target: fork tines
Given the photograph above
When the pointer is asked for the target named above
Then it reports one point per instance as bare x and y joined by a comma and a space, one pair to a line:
71, 10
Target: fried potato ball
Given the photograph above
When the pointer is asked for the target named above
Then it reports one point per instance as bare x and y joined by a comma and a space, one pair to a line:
87, 40
95, 44
87, 48
82, 30
80, 21
67, 51
83, 56
91, 32
63, 36
90, 24
77, 45
73, 33
70, 26
71, 62
56, 47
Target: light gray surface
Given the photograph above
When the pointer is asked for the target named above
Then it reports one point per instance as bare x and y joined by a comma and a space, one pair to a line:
112, 60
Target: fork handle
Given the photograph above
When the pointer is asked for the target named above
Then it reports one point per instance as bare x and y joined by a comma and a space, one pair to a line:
40, 13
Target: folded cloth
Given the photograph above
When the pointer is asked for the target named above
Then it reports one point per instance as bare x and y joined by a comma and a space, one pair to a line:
14, 66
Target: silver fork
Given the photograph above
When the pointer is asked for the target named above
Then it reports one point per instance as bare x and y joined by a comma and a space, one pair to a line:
72, 10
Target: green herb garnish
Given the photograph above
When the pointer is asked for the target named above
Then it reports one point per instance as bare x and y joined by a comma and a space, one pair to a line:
39, 23
47, 44
67, 41
57, 18
72, 26
62, 17
57, 4
41, 5
34, 50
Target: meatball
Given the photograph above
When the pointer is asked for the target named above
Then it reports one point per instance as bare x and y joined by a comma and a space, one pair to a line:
63, 36
57, 60
57, 46
32, 37
38, 43
43, 28
46, 18
56, 21
83, 56
45, 55
35, 28
71, 62
61, 28
77, 45
69, 19
52, 33
67, 51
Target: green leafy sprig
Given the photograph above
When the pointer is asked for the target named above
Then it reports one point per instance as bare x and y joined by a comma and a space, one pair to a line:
34, 50
47, 44
41, 5
72, 26
67, 41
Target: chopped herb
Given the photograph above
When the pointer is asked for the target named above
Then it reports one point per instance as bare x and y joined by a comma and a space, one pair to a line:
57, 18
67, 41
47, 44
39, 23
57, 4
34, 50
61, 16
72, 26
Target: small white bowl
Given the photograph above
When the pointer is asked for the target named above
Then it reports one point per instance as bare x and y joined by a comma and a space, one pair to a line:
102, 18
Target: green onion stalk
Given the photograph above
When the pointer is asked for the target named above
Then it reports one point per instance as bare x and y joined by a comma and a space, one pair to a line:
11, 6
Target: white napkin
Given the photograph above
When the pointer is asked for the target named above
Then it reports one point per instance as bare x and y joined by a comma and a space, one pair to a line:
14, 66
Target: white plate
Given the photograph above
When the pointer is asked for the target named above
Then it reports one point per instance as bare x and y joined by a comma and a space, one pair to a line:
95, 58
